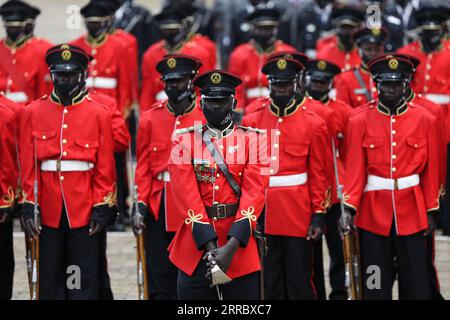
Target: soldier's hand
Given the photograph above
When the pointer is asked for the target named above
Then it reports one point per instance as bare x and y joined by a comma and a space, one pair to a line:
101, 215
432, 221
345, 222
139, 215
94, 228
316, 227
28, 221
5, 215
223, 255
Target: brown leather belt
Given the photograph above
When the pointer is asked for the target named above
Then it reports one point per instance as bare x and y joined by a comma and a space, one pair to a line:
222, 211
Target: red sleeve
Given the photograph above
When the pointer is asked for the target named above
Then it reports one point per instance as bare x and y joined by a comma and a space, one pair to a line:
143, 176
355, 175
26, 151
120, 133
147, 97
104, 171
429, 179
319, 169
8, 164
341, 87
125, 84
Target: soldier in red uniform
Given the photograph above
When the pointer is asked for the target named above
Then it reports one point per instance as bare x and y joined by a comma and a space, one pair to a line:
175, 31
224, 169
438, 112
355, 87
156, 202
129, 41
42, 43
110, 73
432, 75
109, 70
20, 80
8, 181
341, 49
433, 50
296, 200
318, 84
392, 188
66, 147
247, 59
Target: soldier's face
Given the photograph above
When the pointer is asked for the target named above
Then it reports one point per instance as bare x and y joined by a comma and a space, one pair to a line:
285, 88
391, 92
345, 32
178, 89
282, 92
370, 51
171, 35
264, 35
67, 83
177, 84
218, 111
319, 86
96, 28
14, 32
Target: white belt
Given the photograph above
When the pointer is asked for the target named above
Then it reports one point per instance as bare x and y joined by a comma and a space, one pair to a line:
17, 97
101, 83
288, 180
257, 92
66, 165
161, 96
378, 183
163, 176
438, 98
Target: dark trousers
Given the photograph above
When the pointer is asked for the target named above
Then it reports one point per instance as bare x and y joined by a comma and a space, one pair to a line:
412, 266
162, 274
6, 260
64, 247
318, 272
197, 287
336, 252
288, 269
122, 185
445, 220
104, 283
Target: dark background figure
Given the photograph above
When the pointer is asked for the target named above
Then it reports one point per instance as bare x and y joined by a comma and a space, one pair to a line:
392, 15
311, 23
138, 21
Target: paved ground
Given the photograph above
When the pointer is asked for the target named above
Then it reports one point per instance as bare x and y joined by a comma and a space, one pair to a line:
122, 265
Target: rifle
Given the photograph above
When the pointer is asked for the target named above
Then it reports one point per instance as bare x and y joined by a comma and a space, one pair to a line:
34, 242
141, 263
353, 281
141, 260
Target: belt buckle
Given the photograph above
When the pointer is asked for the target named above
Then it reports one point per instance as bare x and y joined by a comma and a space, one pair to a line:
223, 214
395, 184
58, 165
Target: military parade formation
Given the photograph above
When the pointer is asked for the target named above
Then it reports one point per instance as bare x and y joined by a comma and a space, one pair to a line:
233, 141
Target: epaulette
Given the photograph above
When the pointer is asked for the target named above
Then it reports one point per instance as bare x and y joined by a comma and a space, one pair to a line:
252, 129
189, 129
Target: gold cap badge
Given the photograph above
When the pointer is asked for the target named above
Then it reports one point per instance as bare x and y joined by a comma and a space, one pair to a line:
321, 65
393, 64
281, 64
66, 55
172, 63
216, 78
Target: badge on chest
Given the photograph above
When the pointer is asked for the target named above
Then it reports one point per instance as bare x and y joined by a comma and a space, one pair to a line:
205, 171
